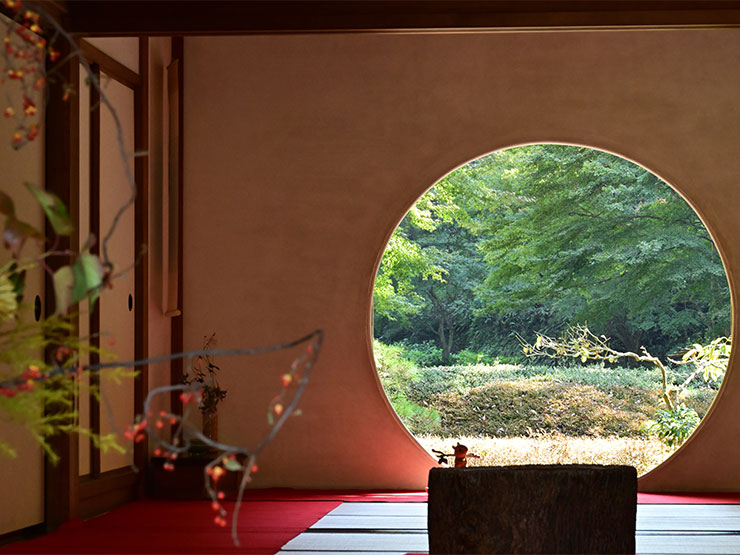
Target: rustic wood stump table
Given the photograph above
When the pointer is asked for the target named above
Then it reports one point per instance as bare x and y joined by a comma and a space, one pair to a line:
533, 509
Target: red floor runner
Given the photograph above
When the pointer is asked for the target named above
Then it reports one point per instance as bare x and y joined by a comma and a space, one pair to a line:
186, 527
689, 498
386, 496
284, 494
269, 519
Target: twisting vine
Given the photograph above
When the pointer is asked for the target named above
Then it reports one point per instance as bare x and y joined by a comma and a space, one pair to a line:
228, 457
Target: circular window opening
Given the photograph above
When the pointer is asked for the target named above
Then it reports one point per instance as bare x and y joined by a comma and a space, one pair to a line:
552, 304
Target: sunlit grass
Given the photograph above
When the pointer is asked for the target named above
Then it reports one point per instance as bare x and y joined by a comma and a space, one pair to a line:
642, 453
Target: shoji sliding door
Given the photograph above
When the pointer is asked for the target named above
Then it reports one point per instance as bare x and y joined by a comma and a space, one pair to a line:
110, 132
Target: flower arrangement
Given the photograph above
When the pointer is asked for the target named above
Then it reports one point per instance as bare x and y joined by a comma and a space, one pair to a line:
203, 375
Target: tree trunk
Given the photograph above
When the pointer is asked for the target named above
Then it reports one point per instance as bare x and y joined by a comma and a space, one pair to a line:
631, 340
445, 341
445, 330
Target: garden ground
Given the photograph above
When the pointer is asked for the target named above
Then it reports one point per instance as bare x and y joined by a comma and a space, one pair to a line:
535, 414
642, 453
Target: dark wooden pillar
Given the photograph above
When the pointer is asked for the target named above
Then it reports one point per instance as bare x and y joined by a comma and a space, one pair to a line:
141, 240
177, 330
62, 178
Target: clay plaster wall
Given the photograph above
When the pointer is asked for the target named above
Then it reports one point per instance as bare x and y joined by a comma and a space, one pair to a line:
22, 497
302, 154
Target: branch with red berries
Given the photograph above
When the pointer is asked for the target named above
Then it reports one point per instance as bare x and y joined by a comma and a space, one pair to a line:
30, 62
228, 458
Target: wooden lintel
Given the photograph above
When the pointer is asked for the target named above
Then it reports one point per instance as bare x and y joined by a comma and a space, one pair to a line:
158, 17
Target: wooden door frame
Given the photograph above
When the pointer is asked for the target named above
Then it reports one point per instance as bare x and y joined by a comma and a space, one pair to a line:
62, 144
66, 494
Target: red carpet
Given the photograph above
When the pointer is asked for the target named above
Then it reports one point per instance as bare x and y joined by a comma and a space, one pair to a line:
285, 494
421, 496
269, 518
689, 498
386, 496
186, 527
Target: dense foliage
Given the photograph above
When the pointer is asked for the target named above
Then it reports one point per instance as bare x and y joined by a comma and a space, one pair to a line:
537, 238
508, 400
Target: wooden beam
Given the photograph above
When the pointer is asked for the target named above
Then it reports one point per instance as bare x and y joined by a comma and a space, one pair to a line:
158, 17
110, 66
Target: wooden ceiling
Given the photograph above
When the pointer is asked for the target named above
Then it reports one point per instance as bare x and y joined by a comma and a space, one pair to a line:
161, 17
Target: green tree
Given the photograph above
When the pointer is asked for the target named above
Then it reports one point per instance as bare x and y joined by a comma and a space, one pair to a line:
589, 236
451, 304
426, 284
544, 236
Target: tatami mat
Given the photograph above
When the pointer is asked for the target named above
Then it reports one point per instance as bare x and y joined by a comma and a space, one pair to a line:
394, 528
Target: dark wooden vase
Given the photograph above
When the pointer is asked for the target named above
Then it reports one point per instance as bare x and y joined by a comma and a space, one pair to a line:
210, 424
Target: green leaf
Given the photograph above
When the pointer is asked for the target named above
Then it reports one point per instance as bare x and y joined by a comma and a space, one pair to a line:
16, 232
6, 205
7, 450
18, 279
232, 464
63, 284
88, 277
54, 209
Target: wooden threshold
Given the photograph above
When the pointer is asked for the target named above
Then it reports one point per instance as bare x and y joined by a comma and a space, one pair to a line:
106, 491
27, 533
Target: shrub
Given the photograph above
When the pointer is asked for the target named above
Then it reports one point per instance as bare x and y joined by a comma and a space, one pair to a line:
394, 369
471, 358
673, 426
398, 374
422, 354
505, 408
418, 419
